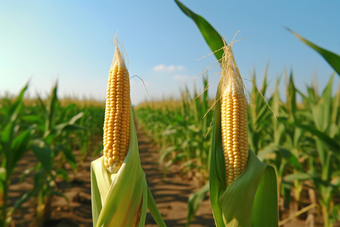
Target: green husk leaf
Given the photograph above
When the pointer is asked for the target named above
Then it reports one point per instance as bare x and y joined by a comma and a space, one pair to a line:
251, 200
121, 194
121, 199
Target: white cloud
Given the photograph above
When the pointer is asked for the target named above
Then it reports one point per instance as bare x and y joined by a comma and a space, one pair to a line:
159, 68
170, 68
181, 78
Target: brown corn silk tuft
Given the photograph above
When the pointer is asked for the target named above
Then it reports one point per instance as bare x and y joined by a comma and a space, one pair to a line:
233, 117
117, 114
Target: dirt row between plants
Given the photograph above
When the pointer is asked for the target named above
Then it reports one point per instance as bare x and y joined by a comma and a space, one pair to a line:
170, 191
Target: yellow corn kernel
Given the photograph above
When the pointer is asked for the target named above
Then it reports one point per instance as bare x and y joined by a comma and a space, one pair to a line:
117, 114
233, 119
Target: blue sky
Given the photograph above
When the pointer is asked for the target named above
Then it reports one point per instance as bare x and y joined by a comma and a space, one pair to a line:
72, 41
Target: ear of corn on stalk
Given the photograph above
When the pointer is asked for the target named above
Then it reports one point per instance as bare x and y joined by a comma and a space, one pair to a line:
117, 115
242, 188
120, 194
233, 119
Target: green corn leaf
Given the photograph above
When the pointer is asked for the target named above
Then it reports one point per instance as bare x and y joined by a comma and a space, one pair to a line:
6, 137
335, 108
25, 197
51, 107
69, 125
3, 173
70, 158
262, 116
195, 200
322, 110
331, 58
211, 36
326, 139
291, 98
298, 176
264, 84
122, 198
165, 153
38, 187
154, 210
63, 112
62, 173
19, 146
54, 192
15, 108
43, 106
278, 128
75, 118
43, 153
286, 154
33, 119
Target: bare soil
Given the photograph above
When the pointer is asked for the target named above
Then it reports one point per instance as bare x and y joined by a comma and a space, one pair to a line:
170, 191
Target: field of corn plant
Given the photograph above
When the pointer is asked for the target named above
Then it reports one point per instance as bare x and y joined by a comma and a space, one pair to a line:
300, 140
260, 161
290, 144
52, 130
181, 130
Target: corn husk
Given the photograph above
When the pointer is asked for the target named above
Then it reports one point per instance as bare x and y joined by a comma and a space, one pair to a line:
121, 199
251, 199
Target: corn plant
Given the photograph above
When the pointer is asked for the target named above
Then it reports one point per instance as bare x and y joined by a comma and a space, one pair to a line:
181, 129
13, 144
236, 175
283, 143
88, 140
49, 141
324, 131
120, 194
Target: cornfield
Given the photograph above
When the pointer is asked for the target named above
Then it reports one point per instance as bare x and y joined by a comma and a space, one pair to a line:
260, 158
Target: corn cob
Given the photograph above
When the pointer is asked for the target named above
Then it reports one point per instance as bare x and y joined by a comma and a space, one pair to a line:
116, 201
117, 114
233, 118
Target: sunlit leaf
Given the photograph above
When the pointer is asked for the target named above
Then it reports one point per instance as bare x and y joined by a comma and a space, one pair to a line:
14, 109
332, 143
195, 200
331, 58
70, 158
19, 147
211, 36
122, 198
43, 153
